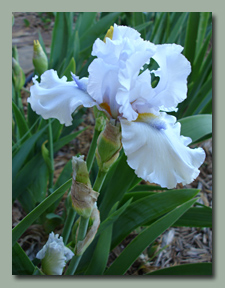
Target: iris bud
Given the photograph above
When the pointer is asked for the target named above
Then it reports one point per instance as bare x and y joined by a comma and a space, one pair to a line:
108, 146
40, 59
17, 74
82, 195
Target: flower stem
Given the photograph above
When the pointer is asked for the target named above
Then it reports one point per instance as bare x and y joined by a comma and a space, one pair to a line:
51, 154
91, 152
68, 225
81, 235
99, 180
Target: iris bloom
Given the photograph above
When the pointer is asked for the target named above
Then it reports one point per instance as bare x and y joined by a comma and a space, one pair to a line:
119, 85
54, 255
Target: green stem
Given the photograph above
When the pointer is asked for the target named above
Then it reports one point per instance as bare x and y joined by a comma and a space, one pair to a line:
99, 180
81, 235
82, 228
68, 225
51, 154
91, 152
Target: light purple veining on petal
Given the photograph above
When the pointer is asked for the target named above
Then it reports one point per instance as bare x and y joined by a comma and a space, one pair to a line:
158, 124
154, 122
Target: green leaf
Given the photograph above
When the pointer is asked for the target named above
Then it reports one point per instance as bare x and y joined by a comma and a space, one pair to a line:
18, 143
147, 209
21, 123
87, 20
113, 217
36, 191
45, 155
70, 68
20, 157
200, 57
21, 182
21, 264
66, 139
203, 23
150, 187
135, 196
113, 191
186, 269
60, 38
157, 20
96, 30
196, 217
196, 102
144, 239
35, 213
64, 176
196, 127
77, 120
37, 271
41, 41
139, 23
101, 252
191, 36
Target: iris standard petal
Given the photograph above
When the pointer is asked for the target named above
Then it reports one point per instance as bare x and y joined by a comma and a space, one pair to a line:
173, 71
103, 84
54, 97
157, 152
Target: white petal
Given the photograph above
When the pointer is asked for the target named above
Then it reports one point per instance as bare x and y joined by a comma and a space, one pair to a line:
103, 84
121, 32
157, 152
173, 72
54, 255
56, 98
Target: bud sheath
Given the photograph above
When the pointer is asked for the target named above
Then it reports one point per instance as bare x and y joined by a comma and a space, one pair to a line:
108, 146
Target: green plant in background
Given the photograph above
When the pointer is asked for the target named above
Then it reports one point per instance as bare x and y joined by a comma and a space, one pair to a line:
123, 204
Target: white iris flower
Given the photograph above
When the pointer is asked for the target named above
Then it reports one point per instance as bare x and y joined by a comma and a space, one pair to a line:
151, 138
54, 255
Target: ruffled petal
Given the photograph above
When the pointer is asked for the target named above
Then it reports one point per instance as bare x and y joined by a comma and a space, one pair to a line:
157, 152
54, 97
54, 255
103, 84
173, 71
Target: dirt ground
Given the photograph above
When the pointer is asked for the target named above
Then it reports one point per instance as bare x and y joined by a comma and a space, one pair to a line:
185, 245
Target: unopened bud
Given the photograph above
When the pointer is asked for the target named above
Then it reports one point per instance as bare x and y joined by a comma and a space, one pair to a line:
80, 171
15, 54
17, 75
108, 146
82, 195
40, 59
100, 119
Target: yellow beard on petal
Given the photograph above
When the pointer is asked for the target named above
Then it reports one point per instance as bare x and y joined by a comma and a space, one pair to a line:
152, 120
144, 117
109, 33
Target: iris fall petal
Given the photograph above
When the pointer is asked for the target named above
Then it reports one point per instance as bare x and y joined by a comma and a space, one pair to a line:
56, 98
157, 152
